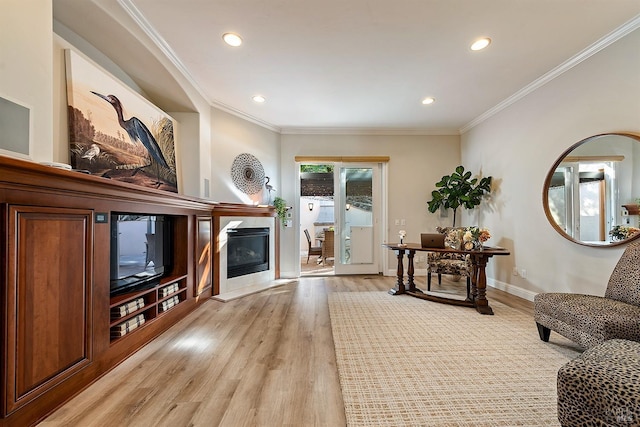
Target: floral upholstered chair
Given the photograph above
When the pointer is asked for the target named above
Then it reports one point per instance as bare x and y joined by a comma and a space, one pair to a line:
590, 320
450, 263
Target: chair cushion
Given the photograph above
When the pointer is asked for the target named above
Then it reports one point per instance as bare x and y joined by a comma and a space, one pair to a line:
601, 387
588, 320
453, 236
456, 267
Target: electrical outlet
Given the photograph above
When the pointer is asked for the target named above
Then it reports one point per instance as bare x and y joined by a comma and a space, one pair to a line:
397, 222
515, 271
523, 273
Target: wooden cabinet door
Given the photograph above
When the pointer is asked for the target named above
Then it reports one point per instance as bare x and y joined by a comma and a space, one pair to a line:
203, 256
48, 299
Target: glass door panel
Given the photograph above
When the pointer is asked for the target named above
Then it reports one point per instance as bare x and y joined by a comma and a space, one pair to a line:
356, 212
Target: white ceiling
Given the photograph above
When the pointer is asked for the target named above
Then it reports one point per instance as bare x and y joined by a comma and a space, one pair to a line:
352, 65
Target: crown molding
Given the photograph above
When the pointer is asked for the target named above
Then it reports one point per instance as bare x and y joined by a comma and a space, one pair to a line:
161, 43
244, 116
585, 54
364, 131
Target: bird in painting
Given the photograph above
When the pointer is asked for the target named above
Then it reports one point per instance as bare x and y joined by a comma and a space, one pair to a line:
91, 153
136, 130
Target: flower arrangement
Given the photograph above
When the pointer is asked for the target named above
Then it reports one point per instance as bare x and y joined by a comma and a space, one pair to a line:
402, 234
622, 232
474, 237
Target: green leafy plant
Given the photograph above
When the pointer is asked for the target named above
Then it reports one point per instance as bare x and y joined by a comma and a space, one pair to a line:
458, 189
281, 208
622, 232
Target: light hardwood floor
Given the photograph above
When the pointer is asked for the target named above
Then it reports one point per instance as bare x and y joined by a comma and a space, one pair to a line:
264, 360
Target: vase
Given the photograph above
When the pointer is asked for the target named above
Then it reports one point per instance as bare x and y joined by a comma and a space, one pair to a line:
477, 246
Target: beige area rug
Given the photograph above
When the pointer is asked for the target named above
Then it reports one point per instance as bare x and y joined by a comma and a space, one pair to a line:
404, 361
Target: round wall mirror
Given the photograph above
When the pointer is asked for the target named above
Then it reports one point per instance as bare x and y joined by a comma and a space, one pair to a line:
592, 192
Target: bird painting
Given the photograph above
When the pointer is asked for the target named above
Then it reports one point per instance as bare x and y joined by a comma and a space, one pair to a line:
137, 132
134, 139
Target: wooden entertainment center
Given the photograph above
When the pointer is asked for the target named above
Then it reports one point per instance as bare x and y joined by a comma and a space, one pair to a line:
62, 328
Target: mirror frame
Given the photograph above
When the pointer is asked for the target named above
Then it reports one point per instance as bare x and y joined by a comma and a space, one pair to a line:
547, 182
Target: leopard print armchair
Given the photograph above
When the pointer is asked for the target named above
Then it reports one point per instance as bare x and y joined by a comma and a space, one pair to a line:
450, 263
590, 320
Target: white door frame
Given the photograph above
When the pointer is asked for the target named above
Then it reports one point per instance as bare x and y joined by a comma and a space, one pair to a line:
381, 230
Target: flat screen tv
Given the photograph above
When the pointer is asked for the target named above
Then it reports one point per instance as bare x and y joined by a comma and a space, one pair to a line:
140, 251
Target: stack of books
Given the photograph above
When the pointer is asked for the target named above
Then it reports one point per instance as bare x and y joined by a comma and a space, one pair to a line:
128, 308
171, 302
127, 326
168, 290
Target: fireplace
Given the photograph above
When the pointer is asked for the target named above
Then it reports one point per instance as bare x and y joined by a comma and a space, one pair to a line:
247, 251
234, 233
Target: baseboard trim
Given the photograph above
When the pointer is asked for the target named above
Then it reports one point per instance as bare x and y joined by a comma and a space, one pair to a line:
512, 289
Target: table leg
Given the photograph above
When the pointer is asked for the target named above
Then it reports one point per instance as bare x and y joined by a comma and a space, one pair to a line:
399, 288
410, 271
473, 294
482, 304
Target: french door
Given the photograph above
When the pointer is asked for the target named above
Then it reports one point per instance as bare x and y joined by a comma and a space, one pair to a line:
357, 212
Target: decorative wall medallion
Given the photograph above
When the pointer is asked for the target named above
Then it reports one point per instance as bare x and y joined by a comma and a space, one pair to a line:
247, 173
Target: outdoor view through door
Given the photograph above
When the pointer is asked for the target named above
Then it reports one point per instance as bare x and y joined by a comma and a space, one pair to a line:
583, 199
339, 208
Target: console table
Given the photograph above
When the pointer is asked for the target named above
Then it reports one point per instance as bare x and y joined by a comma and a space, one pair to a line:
479, 259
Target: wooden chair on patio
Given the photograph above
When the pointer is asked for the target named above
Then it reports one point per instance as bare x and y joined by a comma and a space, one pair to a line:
313, 250
327, 246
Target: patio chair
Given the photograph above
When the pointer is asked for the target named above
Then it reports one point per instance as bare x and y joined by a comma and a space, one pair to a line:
313, 250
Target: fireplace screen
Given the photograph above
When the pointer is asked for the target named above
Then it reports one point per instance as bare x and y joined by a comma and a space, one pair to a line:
247, 251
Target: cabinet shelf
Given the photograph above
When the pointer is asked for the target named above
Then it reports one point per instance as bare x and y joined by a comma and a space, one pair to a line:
171, 291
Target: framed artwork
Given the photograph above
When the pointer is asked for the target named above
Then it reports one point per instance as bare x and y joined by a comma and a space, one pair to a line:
15, 129
116, 133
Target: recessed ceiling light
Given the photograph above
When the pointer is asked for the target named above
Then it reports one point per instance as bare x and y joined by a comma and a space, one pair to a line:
428, 100
259, 98
481, 43
232, 39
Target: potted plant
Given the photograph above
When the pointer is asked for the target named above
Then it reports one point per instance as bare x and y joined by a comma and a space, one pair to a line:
281, 208
622, 232
458, 189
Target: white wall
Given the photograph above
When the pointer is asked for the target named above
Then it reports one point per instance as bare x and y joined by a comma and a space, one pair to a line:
26, 69
519, 145
416, 164
232, 136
